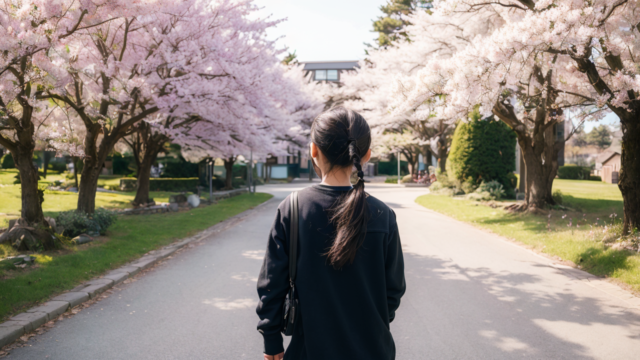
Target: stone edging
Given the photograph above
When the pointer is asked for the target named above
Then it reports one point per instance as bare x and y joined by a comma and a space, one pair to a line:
28, 321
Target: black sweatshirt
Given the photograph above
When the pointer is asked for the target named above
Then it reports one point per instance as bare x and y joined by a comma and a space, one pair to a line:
345, 314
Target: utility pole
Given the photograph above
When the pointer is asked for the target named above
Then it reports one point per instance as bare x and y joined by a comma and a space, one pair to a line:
250, 173
399, 178
210, 168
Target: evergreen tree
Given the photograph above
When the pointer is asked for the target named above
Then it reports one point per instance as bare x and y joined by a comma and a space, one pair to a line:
483, 150
389, 26
600, 136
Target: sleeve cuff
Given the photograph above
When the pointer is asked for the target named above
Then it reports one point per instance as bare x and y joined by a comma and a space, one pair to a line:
273, 344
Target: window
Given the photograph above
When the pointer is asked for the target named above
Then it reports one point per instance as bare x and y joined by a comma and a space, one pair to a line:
321, 75
326, 75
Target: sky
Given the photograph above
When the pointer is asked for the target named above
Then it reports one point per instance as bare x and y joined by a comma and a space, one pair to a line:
335, 30
323, 30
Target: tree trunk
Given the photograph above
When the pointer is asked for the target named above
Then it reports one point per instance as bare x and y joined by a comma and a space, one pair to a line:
76, 164
541, 168
89, 185
31, 205
442, 159
228, 167
629, 180
152, 145
95, 157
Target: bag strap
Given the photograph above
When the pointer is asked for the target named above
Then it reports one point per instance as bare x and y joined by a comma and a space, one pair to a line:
293, 240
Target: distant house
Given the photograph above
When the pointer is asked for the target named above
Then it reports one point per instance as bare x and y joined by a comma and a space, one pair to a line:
329, 70
611, 168
299, 165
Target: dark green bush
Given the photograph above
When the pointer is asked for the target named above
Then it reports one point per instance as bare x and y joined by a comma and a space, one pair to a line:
595, 178
558, 197
483, 151
179, 168
162, 184
7, 161
574, 172
391, 167
76, 223
57, 166
121, 164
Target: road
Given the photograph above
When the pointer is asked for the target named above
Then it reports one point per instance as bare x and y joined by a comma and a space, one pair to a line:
470, 295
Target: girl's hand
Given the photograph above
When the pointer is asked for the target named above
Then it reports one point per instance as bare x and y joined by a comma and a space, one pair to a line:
274, 357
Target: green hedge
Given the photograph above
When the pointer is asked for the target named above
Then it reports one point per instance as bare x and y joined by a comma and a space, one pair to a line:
483, 151
391, 167
163, 184
574, 172
7, 161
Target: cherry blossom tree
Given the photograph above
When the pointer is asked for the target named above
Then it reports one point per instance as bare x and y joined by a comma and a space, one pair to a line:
527, 88
30, 32
428, 37
167, 64
277, 124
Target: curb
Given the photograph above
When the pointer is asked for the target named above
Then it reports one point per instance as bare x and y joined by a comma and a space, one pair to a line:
20, 324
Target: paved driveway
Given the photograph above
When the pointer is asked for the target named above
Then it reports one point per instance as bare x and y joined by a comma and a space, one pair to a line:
470, 295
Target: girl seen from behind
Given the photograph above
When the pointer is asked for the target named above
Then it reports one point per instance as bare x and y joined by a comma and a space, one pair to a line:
348, 263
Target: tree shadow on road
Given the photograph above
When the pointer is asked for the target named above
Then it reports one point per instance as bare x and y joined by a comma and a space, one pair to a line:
451, 312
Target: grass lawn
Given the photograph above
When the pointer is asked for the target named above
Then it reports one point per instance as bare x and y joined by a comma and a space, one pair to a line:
578, 237
129, 238
56, 201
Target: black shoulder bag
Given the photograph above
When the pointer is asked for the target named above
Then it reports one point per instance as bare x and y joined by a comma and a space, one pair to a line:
291, 302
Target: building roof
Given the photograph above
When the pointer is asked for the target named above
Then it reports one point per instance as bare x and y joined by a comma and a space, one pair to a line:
607, 156
331, 65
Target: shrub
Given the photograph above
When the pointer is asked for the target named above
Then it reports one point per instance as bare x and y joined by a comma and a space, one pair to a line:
391, 167
391, 180
76, 223
407, 179
162, 184
57, 166
7, 161
574, 172
483, 150
494, 188
469, 186
179, 168
480, 196
595, 178
557, 196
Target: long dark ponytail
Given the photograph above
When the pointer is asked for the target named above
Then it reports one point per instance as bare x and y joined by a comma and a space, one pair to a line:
344, 137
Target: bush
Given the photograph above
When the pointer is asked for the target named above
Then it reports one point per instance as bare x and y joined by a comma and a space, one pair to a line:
469, 186
76, 223
162, 184
391, 180
595, 178
391, 167
483, 150
480, 196
557, 196
57, 166
574, 172
179, 168
493, 188
7, 162
407, 179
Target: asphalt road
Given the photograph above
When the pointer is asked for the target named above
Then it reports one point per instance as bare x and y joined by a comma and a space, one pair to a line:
470, 295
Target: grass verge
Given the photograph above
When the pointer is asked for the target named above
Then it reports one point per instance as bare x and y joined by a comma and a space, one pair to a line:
585, 239
129, 238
